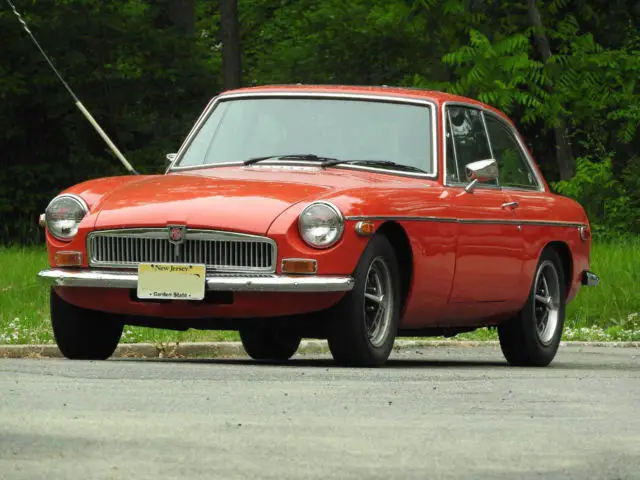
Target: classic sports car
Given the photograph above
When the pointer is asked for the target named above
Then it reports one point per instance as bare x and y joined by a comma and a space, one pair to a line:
354, 214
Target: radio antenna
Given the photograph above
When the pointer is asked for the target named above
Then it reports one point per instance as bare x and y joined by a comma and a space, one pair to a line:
77, 101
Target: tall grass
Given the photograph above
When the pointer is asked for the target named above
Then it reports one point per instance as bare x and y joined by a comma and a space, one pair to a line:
24, 302
24, 305
617, 298
611, 310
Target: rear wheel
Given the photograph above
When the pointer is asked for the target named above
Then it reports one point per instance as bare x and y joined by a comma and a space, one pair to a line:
83, 334
364, 324
263, 343
533, 337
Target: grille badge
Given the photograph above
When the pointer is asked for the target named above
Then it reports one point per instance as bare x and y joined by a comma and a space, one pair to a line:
177, 235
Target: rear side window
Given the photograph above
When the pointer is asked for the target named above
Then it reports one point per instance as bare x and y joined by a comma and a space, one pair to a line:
514, 168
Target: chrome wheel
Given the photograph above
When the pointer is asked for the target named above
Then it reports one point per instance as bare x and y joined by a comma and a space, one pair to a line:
378, 304
547, 302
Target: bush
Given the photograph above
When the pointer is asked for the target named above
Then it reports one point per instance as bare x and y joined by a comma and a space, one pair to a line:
611, 201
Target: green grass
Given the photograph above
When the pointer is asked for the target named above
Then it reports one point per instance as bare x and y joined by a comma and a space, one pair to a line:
24, 306
610, 311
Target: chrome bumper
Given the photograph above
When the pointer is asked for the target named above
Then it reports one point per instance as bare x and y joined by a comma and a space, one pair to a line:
267, 283
590, 279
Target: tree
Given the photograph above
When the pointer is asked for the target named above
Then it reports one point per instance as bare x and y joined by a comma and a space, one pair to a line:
182, 14
564, 156
231, 53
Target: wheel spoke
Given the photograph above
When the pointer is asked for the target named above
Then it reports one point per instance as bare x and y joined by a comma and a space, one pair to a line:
548, 301
377, 320
375, 323
546, 285
377, 282
542, 324
374, 298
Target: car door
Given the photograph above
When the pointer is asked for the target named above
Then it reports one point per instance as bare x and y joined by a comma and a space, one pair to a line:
489, 245
532, 206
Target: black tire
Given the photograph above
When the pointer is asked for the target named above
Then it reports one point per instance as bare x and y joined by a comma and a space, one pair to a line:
521, 341
271, 344
83, 334
350, 341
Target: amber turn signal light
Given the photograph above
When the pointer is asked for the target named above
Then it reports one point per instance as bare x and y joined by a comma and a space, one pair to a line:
68, 259
299, 265
365, 228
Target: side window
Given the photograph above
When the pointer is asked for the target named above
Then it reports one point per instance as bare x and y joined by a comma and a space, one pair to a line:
513, 166
470, 142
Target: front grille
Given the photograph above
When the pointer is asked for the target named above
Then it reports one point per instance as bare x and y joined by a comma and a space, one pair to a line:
219, 251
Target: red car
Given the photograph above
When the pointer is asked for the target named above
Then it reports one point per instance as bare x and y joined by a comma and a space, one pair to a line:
353, 214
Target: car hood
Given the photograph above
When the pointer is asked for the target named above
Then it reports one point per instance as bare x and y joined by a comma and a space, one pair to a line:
241, 199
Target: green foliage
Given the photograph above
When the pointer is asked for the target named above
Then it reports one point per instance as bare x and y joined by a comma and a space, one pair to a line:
145, 81
358, 42
610, 202
583, 80
500, 74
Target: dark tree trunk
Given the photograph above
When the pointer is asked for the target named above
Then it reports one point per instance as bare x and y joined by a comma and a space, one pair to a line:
182, 14
231, 53
564, 155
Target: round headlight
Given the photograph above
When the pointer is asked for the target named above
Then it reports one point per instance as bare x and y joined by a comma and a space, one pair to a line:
63, 216
321, 224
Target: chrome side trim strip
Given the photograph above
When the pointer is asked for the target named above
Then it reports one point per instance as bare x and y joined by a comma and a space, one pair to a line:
401, 218
265, 283
392, 98
537, 223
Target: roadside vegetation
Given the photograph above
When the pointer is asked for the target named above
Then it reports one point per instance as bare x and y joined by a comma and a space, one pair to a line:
609, 312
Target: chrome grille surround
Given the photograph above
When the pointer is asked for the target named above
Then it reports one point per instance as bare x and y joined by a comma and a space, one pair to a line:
220, 251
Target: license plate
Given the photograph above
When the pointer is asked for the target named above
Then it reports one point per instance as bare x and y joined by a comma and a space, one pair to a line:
169, 281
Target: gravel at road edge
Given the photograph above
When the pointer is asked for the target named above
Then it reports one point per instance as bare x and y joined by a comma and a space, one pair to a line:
234, 349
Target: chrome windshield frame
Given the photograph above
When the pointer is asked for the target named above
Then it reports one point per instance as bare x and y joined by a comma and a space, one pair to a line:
431, 104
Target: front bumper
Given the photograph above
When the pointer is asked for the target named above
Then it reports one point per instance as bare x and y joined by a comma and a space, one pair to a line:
228, 283
590, 279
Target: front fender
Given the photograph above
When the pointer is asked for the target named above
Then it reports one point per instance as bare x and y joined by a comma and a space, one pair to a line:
340, 259
94, 193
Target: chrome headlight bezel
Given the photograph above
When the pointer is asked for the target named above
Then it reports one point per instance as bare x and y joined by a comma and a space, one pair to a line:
337, 216
82, 206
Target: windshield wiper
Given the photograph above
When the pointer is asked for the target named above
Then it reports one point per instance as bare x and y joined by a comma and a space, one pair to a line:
301, 156
330, 161
374, 163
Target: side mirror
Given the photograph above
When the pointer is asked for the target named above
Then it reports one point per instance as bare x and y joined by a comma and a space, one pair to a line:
170, 157
480, 171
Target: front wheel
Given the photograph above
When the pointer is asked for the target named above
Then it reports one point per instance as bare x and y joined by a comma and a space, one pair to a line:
364, 324
83, 334
533, 337
270, 343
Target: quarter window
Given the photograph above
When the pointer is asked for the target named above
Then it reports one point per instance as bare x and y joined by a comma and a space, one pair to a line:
513, 166
467, 141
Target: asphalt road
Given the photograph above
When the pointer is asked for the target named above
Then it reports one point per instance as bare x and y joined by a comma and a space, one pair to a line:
432, 413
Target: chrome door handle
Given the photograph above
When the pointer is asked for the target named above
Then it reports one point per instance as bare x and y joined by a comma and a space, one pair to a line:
510, 205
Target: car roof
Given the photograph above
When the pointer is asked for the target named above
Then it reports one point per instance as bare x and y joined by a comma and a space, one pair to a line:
382, 90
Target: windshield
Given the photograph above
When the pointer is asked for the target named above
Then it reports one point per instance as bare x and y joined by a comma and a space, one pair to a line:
240, 129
